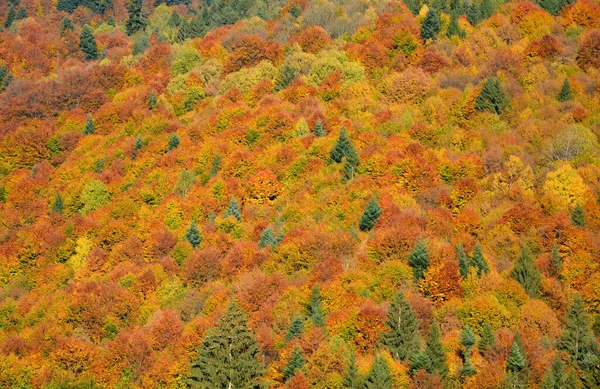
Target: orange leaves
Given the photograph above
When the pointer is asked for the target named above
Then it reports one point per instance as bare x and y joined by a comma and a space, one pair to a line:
312, 39
531, 19
249, 50
547, 47
583, 13
442, 282
263, 187
166, 327
588, 54
370, 324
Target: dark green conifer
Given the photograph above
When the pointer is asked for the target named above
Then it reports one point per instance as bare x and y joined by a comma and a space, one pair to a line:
87, 44
431, 25
565, 93
215, 166
527, 273
67, 5
137, 146
555, 261
296, 328
370, 215
286, 75
414, 6
402, 337
193, 235
21, 14
6, 77
89, 126
488, 339
435, 352
295, 363
453, 28
233, 209
516, 360
229, 356
315, 307
467, 339
10, 17
58, 205
478, 261
380, 375
65, 25
492, 97
351, 377
152, 102
136, 21
487, 8
173, 142
474, 14
467, 369
141, 44
553, 7
267, 238
419, 260
343, 148
419, 361
463, 263
319, 130
577, 338
578, 215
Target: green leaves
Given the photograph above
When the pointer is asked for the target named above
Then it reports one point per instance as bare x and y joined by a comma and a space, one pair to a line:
370, 216
492, 97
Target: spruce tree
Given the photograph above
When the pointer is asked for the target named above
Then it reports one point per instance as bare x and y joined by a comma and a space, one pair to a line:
267, 238
487, 8
402, 337
233, 209
431, 25
286, 75
136, 21
319, 130
474, 14
463, 264
10, 17
89, 126
229, 356
21, 14
515, 366
173, 142
435, 352
141, 44
467, 369
492, 97
527, 273
87, 44
555, 377
6, 77
419, 260
315, 307
565, 93
343, 148
553, 7
65, 25
137, 146
453, 28
296, 328
193, 235
577, 338
380, 375
419, 361
351, 377
67, 5
295, 363
488, 339
370, 215
578, 216
478, 261
58, 205
467, 339
152, 102
414, 6
555, 261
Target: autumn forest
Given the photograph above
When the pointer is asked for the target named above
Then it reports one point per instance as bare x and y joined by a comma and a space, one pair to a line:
329, 194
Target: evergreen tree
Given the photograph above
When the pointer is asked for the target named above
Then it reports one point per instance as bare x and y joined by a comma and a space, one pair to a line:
435, 352
414, 6
286, 75
453, 28
577, 338
352, 378
516, 360
267, 238
229, 355
89, 126
467, 339
100, 165
488, 339
492, 97
233, 209
463, 264
343, 148
487, 8
380, 375
565, 93
174, 20
555, 261
474, 14
65, 25
370, 215
319, 130
478, 261
141, 44
431, 25
296, 328
419, 361
527, 273
315, 307
58, 205
457, 7
137, 146
578, 216
87, 44
173, 142
152, 102
419, 260
21, 14
136, 21
467, 369
67, 5
193, 235
402, 337
553, 7
556, 377
10, 17
295, 363
215, 166
5, 77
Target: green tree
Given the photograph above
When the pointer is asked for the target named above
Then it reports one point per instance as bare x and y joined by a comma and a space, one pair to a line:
419, 361
185, 182
556, 376
87, 44
58, 205
229, 356
467, 369
137, 146
463, 264
380, 375
295, 363
136, 21
21, 14
233, 209
173, 142
370, 215
474, 14
431, 25
152, 101
351, 377
552, 6
565, 93
419, 260
414, 6
435, 351
515, 366
286, 75
577, 338
315, 307
6, 77
487, 8
141, 44
343, 148
488, 339
90, 127
467, 339
402, 337
66, 24
193, 235
296, 328
267, 238
319, 130
478, 261
527, 273
453, 28
578, 215
555, 261
10, 16
492, 97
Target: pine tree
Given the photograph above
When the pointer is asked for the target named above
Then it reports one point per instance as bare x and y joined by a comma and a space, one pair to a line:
556, 377
137, 146
215, 166
173, 142
552, 6
267, 238
419, 361
467, 339
478, 261
58, 205
577, 338
527, 273
319, 130
380, 375
435, 352
370, 215
578, 216
295, 363
152, 102
21, 14
315, 307
516, 360
402, 337
89, 126
6, 77
65, 25
233, 209
343, 148
419, 260
296, 328
351, 377
453, 28
474, 14
193, 235
463, 264
142, 43
492, 97
565, 93
488, 339
467, 369
555, 261
431, 25
414, 6
286, 75
67, 5
87, 44
137, 20
487, 8
10, 17
229, 355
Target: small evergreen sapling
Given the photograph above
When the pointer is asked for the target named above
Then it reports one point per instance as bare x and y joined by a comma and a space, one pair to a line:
565, 93
193, 235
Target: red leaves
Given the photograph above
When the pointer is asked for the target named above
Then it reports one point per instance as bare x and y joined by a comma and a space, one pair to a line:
249, 50
588, 54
